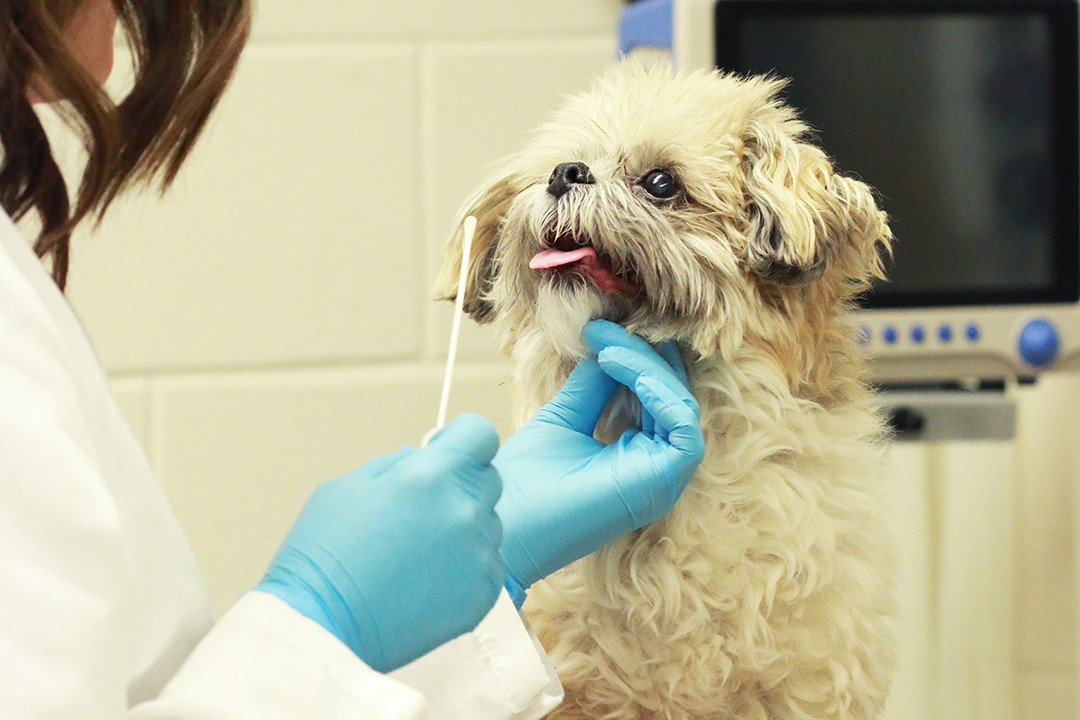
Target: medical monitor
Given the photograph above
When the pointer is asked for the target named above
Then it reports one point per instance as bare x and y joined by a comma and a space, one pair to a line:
963, 115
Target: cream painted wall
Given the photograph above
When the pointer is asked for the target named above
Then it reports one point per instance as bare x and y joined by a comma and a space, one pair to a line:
268, 325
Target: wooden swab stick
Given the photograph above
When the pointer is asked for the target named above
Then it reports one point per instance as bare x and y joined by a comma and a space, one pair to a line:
469, 228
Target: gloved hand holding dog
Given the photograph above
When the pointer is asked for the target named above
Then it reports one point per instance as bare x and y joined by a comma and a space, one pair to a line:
565, 494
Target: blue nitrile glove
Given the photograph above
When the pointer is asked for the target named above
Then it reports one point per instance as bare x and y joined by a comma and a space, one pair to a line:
565, 494
401, 555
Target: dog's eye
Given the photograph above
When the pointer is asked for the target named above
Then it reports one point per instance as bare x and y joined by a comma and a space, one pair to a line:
660, 184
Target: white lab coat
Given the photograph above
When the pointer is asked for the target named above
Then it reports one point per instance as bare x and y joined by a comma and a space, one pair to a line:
103, 613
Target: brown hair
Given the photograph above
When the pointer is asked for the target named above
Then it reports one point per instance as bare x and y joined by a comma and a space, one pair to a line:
184, 53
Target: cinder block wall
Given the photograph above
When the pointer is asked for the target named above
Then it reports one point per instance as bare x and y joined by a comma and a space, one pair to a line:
269, 324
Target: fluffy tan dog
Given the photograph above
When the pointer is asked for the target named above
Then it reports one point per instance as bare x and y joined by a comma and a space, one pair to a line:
689, 206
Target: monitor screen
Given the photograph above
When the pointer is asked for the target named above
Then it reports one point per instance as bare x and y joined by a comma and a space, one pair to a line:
961, 115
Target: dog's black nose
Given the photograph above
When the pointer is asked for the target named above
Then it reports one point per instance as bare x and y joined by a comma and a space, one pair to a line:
567, 174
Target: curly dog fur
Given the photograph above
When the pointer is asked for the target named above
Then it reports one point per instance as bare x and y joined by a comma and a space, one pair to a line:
766, 593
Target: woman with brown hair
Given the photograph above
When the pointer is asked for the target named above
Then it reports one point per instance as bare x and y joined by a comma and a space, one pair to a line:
397, 567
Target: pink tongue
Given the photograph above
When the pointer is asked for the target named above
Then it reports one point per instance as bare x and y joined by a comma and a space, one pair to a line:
555, 258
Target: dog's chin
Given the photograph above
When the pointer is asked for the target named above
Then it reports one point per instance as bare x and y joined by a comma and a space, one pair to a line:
566, 303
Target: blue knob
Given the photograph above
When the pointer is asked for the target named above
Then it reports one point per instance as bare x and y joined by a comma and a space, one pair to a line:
1039, 343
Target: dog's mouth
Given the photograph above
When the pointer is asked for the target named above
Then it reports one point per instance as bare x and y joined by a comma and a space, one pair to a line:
566, 253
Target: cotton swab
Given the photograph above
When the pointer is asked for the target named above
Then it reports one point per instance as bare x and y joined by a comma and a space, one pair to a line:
469, 229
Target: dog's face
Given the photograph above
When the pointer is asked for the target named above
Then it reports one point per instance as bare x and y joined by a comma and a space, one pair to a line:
680, 205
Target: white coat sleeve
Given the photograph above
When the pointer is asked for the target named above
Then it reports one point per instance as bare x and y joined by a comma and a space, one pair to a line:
265, 660
496, 672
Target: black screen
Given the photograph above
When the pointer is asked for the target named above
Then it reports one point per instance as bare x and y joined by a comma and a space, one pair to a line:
961, 116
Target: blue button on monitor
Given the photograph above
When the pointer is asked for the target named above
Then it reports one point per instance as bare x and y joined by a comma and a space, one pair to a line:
972, 332
889, 335
1039, 343
918, 334
944, 333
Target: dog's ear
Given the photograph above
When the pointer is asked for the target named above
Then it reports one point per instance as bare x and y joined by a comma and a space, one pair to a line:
803, 217
488, 205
